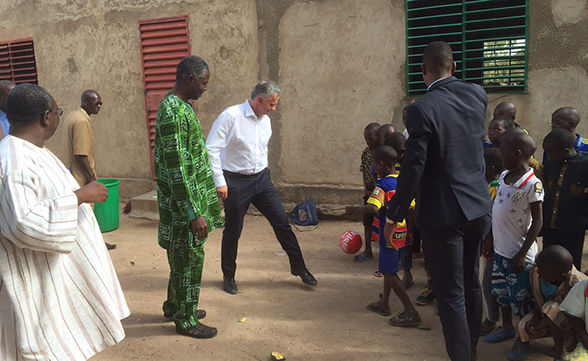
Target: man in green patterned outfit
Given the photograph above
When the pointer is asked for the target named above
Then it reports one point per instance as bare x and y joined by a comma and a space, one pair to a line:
188, 204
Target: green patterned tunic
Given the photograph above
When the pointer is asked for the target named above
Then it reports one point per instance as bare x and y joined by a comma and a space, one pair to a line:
185, 189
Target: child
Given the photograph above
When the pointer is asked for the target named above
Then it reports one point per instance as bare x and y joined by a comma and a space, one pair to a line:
516, 221
565, 216
507, 109
493, 170
384, 161
576, 306
370, 134
396, 141
384, 131
550, 279
568, 118
497, 127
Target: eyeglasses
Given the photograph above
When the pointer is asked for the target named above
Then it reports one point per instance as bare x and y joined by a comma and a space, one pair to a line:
59, 111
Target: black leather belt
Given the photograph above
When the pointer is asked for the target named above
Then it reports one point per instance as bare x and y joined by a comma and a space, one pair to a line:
240, 174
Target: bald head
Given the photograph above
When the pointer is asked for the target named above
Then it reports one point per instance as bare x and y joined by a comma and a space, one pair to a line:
506, 109
5, 88
516, 138
384, 131
91, 102
554, 263
565, 118
438, 59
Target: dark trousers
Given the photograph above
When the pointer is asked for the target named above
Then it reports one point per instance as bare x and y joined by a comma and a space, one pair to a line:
452, 256
258, 190
573, 241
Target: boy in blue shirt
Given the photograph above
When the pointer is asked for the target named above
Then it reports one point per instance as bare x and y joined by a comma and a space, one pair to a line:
384, 162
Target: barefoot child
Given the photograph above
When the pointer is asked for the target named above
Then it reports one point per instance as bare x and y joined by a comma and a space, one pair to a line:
516, 221
551, 279
370, 134
493, 170
384, 162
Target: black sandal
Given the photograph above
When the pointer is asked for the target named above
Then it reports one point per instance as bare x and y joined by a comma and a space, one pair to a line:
377, 308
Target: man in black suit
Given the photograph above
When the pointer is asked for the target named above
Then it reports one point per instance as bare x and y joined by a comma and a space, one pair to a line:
444, 167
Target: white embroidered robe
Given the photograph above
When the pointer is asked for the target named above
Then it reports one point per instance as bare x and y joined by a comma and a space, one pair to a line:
60, 298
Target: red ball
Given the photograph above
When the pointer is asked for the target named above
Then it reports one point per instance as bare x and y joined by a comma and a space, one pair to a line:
350, 242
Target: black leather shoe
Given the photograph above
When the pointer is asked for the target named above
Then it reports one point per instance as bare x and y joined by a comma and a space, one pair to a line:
200, 314
110, 246
306, 276
229, 286
198, 331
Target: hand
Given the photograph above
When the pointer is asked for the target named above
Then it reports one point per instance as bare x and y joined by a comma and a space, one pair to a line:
91, 193
531, 326
488, 250
389, 231
222, 192
199, 228
517, 263
350, 210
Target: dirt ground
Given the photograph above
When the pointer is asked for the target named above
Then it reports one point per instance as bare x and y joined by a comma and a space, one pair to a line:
327, 322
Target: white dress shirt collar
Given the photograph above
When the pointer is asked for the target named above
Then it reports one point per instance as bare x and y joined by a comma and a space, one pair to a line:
429, 87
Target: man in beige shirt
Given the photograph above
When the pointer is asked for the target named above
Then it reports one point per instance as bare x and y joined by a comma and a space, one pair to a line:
80, 139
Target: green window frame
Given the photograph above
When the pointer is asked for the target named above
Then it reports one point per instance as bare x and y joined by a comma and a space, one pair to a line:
489, 39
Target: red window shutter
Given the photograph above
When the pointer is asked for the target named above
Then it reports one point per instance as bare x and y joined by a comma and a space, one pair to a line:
17, 61
164, 43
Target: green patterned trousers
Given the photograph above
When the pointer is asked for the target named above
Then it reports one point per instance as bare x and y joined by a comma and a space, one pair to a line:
183, 290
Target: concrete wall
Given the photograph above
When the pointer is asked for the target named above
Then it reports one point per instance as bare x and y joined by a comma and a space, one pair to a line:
340, 63
95, 44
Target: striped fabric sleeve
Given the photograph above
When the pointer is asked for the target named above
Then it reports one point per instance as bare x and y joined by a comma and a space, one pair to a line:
378, 197
29, 221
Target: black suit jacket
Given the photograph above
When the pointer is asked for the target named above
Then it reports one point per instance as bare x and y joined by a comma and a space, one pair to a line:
444, 162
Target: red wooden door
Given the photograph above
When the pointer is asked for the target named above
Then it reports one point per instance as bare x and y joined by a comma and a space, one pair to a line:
164, 43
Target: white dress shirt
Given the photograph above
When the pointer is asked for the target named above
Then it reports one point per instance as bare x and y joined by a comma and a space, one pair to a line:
238, 142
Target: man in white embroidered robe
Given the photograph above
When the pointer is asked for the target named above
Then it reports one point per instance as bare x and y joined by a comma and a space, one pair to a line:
60, 298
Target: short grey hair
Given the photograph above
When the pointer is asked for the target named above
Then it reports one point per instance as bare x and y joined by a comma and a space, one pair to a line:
191, 65
26, 103
265, 89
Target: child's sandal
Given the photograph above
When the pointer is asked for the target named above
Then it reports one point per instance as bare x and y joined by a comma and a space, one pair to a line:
377, 308
404, 320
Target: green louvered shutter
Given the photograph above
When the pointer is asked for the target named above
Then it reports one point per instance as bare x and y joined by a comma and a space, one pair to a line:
489, 40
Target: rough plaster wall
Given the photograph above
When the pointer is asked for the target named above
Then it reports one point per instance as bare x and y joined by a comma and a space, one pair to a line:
568, 11
95, 44
340, 69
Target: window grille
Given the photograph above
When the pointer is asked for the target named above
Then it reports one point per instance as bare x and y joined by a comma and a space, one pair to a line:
17, 61
489, 40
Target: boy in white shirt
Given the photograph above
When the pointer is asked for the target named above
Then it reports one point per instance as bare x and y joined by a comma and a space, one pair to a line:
516, 221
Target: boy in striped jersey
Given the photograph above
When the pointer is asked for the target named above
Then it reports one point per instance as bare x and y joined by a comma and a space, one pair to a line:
384, 159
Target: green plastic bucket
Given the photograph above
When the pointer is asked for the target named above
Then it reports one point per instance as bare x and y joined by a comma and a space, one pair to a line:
107, 213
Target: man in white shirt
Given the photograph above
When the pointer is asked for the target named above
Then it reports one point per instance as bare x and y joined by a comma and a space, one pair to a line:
237, 147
